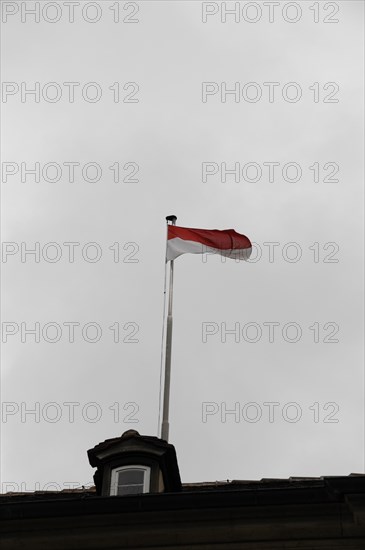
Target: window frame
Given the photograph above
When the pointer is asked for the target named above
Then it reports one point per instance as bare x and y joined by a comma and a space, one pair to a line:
115, 473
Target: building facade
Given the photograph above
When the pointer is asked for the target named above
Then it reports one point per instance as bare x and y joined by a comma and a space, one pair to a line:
139, 502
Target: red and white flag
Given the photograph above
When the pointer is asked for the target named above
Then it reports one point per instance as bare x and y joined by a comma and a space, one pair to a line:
228, 243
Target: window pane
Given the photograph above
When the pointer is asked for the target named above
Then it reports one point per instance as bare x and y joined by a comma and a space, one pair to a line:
127, 477
130, 489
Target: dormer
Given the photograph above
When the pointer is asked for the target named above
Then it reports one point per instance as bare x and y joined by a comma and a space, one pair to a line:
134, 464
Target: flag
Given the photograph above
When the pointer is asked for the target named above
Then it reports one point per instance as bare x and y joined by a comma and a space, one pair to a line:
228, 243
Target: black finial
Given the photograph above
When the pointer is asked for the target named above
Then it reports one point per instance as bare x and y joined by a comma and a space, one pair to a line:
171, 219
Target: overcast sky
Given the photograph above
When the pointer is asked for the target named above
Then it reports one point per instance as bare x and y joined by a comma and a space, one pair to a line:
146, 96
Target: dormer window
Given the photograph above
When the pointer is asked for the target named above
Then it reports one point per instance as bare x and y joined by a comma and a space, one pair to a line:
130, 480
134, 464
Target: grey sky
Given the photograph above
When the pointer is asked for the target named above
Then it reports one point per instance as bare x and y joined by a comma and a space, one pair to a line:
169, 133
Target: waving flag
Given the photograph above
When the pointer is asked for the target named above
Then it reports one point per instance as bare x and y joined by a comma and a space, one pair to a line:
183, 240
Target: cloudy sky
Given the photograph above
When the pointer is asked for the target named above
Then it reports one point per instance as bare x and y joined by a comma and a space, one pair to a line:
116, 114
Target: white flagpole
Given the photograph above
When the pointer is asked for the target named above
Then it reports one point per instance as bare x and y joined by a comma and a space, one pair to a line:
166, 394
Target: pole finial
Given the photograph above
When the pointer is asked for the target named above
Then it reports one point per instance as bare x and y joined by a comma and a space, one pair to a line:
171, 219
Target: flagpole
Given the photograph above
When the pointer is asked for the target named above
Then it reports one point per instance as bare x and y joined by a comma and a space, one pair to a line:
166, 394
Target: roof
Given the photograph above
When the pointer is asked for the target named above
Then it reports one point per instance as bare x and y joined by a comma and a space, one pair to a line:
325, 513
129, 436
216, 486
